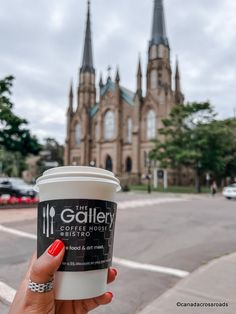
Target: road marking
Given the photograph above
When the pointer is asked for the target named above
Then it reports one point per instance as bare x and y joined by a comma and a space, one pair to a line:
116, 260
6, 293
147, 202
149, 267
18, 232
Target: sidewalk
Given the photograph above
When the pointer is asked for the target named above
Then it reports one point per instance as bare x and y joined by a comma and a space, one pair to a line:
214, 282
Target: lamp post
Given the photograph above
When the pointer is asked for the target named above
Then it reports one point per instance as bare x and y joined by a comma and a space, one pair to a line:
149, 177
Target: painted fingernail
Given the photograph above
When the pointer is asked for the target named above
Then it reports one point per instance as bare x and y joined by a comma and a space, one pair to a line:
111, 294
56, 248
115, 271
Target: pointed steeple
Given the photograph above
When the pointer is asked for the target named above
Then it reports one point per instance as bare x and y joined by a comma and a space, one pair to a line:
117, 76
139, 76
139, 73
71, 89
177, 77
159, 35
101, 81
87, 64
70, 105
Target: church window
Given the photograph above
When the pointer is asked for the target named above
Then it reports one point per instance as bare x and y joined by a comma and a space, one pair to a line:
78, 134
160, 51
109, 125
109, 165
154, 79
128, 165
129, 130
145, 158
153, 52
151, 125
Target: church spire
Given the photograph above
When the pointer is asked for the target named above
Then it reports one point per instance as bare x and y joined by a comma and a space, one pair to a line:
117, 76
159, 35
70, 105
87, 64
139, 77
177, 77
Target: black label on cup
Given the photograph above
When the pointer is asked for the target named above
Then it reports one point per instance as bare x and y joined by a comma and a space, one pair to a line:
85, 226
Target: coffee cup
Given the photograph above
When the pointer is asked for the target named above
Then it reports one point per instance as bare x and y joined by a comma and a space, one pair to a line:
77, 206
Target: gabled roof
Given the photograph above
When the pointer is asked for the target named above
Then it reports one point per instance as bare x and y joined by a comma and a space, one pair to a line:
126, 94
94, 110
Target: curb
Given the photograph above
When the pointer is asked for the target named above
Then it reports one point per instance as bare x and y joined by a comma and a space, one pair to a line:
180, 287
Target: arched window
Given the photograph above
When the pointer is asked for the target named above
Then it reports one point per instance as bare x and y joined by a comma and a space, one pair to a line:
128, 165
151, 125
109, 165
129, 130
154, 79
78, 134
96, 132
109, 125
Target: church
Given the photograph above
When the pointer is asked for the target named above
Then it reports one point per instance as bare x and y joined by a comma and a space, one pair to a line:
113, 127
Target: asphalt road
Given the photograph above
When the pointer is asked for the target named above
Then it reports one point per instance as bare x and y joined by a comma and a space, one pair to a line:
181, 233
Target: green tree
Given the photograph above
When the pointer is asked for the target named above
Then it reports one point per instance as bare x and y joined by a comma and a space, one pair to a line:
51, 155
192, 138
15, 139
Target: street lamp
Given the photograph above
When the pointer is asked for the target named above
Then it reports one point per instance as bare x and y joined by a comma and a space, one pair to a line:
149, 177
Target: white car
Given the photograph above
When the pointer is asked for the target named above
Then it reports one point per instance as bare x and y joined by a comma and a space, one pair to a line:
230, 191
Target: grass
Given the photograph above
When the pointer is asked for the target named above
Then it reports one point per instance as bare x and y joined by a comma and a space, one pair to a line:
171, 189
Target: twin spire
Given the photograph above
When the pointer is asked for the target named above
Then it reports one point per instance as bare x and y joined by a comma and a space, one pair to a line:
159, 35
87, 63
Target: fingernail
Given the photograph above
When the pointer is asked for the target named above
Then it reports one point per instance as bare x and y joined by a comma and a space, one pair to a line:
115, 271
56, 248
111, 294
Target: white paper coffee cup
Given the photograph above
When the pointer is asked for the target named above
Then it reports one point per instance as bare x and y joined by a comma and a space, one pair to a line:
77, 206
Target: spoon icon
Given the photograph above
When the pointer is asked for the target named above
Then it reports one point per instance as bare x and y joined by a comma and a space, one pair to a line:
52, 214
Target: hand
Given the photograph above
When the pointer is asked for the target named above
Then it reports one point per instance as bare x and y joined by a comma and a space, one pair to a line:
42, 270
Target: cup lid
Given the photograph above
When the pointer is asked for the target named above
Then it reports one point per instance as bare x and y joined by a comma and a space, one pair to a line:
84, 173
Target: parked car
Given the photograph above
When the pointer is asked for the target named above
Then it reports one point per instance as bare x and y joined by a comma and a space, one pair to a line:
230, 191
16, 187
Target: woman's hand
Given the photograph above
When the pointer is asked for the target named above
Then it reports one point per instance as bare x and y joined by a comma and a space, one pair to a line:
42, 270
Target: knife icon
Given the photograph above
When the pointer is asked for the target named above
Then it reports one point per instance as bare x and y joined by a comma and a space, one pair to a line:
44, 216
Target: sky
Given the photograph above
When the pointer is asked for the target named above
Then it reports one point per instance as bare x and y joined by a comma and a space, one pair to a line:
42, 43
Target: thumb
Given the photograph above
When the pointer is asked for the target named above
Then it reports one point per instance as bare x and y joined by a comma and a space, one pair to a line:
46, 265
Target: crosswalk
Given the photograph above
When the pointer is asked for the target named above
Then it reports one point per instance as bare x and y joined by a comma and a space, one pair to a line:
7, 293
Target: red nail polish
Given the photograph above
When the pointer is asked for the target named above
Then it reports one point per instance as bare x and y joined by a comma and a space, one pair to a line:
56, 248
115, 271
111, 294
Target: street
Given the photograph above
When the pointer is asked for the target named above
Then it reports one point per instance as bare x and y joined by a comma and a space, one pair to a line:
175, 232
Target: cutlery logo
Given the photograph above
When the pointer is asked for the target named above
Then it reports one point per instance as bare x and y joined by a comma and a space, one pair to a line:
48, 216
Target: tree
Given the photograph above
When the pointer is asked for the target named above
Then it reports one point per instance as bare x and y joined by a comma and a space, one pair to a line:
230, 157
51, 155
14, 137
192, 138
16, 141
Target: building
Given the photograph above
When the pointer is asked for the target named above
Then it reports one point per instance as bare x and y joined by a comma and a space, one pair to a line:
116, 132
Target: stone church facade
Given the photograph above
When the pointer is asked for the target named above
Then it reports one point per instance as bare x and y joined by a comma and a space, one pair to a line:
116, 132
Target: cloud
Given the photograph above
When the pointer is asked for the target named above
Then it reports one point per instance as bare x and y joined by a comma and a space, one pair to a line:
42, 44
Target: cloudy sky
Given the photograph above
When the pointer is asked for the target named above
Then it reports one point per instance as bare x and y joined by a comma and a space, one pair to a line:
42, 41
